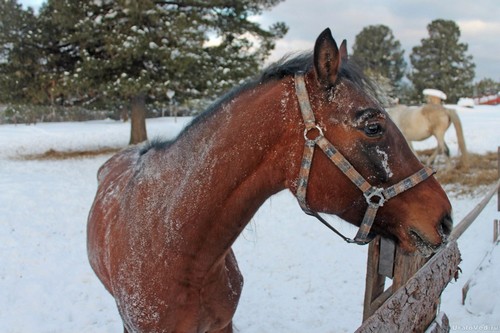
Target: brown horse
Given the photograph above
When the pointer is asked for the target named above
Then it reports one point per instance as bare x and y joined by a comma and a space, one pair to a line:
166, 213
422, 122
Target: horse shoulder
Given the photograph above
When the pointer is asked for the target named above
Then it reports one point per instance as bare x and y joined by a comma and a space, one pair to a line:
113, 177
438, 116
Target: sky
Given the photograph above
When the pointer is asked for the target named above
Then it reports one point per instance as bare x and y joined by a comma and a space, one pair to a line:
478, 20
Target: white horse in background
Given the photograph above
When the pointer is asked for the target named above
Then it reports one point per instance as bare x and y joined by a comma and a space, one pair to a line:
418, 123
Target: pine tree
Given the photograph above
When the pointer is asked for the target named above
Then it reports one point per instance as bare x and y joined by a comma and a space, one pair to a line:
381, 57
486, 87
57, 20
150, 47
101, 53
126, 50
33, 58
20, 63
441, 62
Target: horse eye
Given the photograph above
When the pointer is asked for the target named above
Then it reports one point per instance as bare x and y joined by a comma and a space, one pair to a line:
373, 129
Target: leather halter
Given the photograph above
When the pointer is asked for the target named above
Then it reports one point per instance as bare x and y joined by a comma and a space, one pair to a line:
375, 196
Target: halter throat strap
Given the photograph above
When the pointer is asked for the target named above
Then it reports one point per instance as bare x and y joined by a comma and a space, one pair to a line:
375, 196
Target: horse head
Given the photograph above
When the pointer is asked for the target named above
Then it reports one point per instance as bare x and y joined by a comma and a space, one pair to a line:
351, 127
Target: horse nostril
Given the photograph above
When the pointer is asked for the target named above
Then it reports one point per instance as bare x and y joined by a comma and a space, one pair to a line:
446, 225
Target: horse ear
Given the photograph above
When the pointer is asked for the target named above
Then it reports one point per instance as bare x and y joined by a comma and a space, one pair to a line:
327, 58
343, 51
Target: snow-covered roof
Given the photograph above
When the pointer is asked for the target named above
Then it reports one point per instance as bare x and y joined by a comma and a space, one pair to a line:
466, 102
434, 92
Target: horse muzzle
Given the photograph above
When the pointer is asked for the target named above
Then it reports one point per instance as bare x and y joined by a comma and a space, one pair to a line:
427, 245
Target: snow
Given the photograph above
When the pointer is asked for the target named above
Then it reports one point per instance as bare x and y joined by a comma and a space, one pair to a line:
466, 102
299, 277
479, 302
435, 93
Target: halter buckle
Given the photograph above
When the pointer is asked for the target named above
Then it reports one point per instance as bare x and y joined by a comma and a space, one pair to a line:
316, 127
376, 193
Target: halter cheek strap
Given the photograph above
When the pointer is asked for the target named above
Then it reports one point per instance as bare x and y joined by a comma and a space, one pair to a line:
375, 196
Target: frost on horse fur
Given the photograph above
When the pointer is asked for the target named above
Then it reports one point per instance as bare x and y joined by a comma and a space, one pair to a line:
166, 213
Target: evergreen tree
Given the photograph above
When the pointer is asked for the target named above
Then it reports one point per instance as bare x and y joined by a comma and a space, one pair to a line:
141, 50
57, 20
381, 57
441, 62
101, 53
486, 87
125, 48
20, 63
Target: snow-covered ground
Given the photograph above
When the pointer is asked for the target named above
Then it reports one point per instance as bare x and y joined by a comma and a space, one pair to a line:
299, 277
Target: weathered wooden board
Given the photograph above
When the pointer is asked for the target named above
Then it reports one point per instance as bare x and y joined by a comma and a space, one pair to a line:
440, 325
413, 306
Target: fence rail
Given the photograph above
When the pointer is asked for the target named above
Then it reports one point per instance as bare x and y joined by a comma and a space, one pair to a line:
473, 214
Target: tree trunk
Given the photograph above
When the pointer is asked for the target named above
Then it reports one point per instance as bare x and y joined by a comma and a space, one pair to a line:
138, 120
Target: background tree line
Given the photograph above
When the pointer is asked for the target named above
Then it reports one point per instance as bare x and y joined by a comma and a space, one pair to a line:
126, 55
440, 62
129, 54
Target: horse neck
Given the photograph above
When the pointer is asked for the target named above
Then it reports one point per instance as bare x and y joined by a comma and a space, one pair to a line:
237, 159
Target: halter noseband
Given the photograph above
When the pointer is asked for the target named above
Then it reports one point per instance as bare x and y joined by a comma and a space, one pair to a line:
375, 196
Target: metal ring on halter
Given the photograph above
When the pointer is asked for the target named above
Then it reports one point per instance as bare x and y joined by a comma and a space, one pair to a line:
316, 127
375, 192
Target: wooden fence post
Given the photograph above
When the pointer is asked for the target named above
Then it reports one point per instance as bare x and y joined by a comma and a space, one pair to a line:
496, 223
380, 264
386, 260
496, 227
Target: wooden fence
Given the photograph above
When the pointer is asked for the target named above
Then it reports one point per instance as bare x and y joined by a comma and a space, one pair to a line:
411, 303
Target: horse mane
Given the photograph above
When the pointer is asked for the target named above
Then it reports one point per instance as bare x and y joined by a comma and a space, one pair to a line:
287, 66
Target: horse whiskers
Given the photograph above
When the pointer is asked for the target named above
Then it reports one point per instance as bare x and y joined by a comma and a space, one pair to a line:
424, 247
